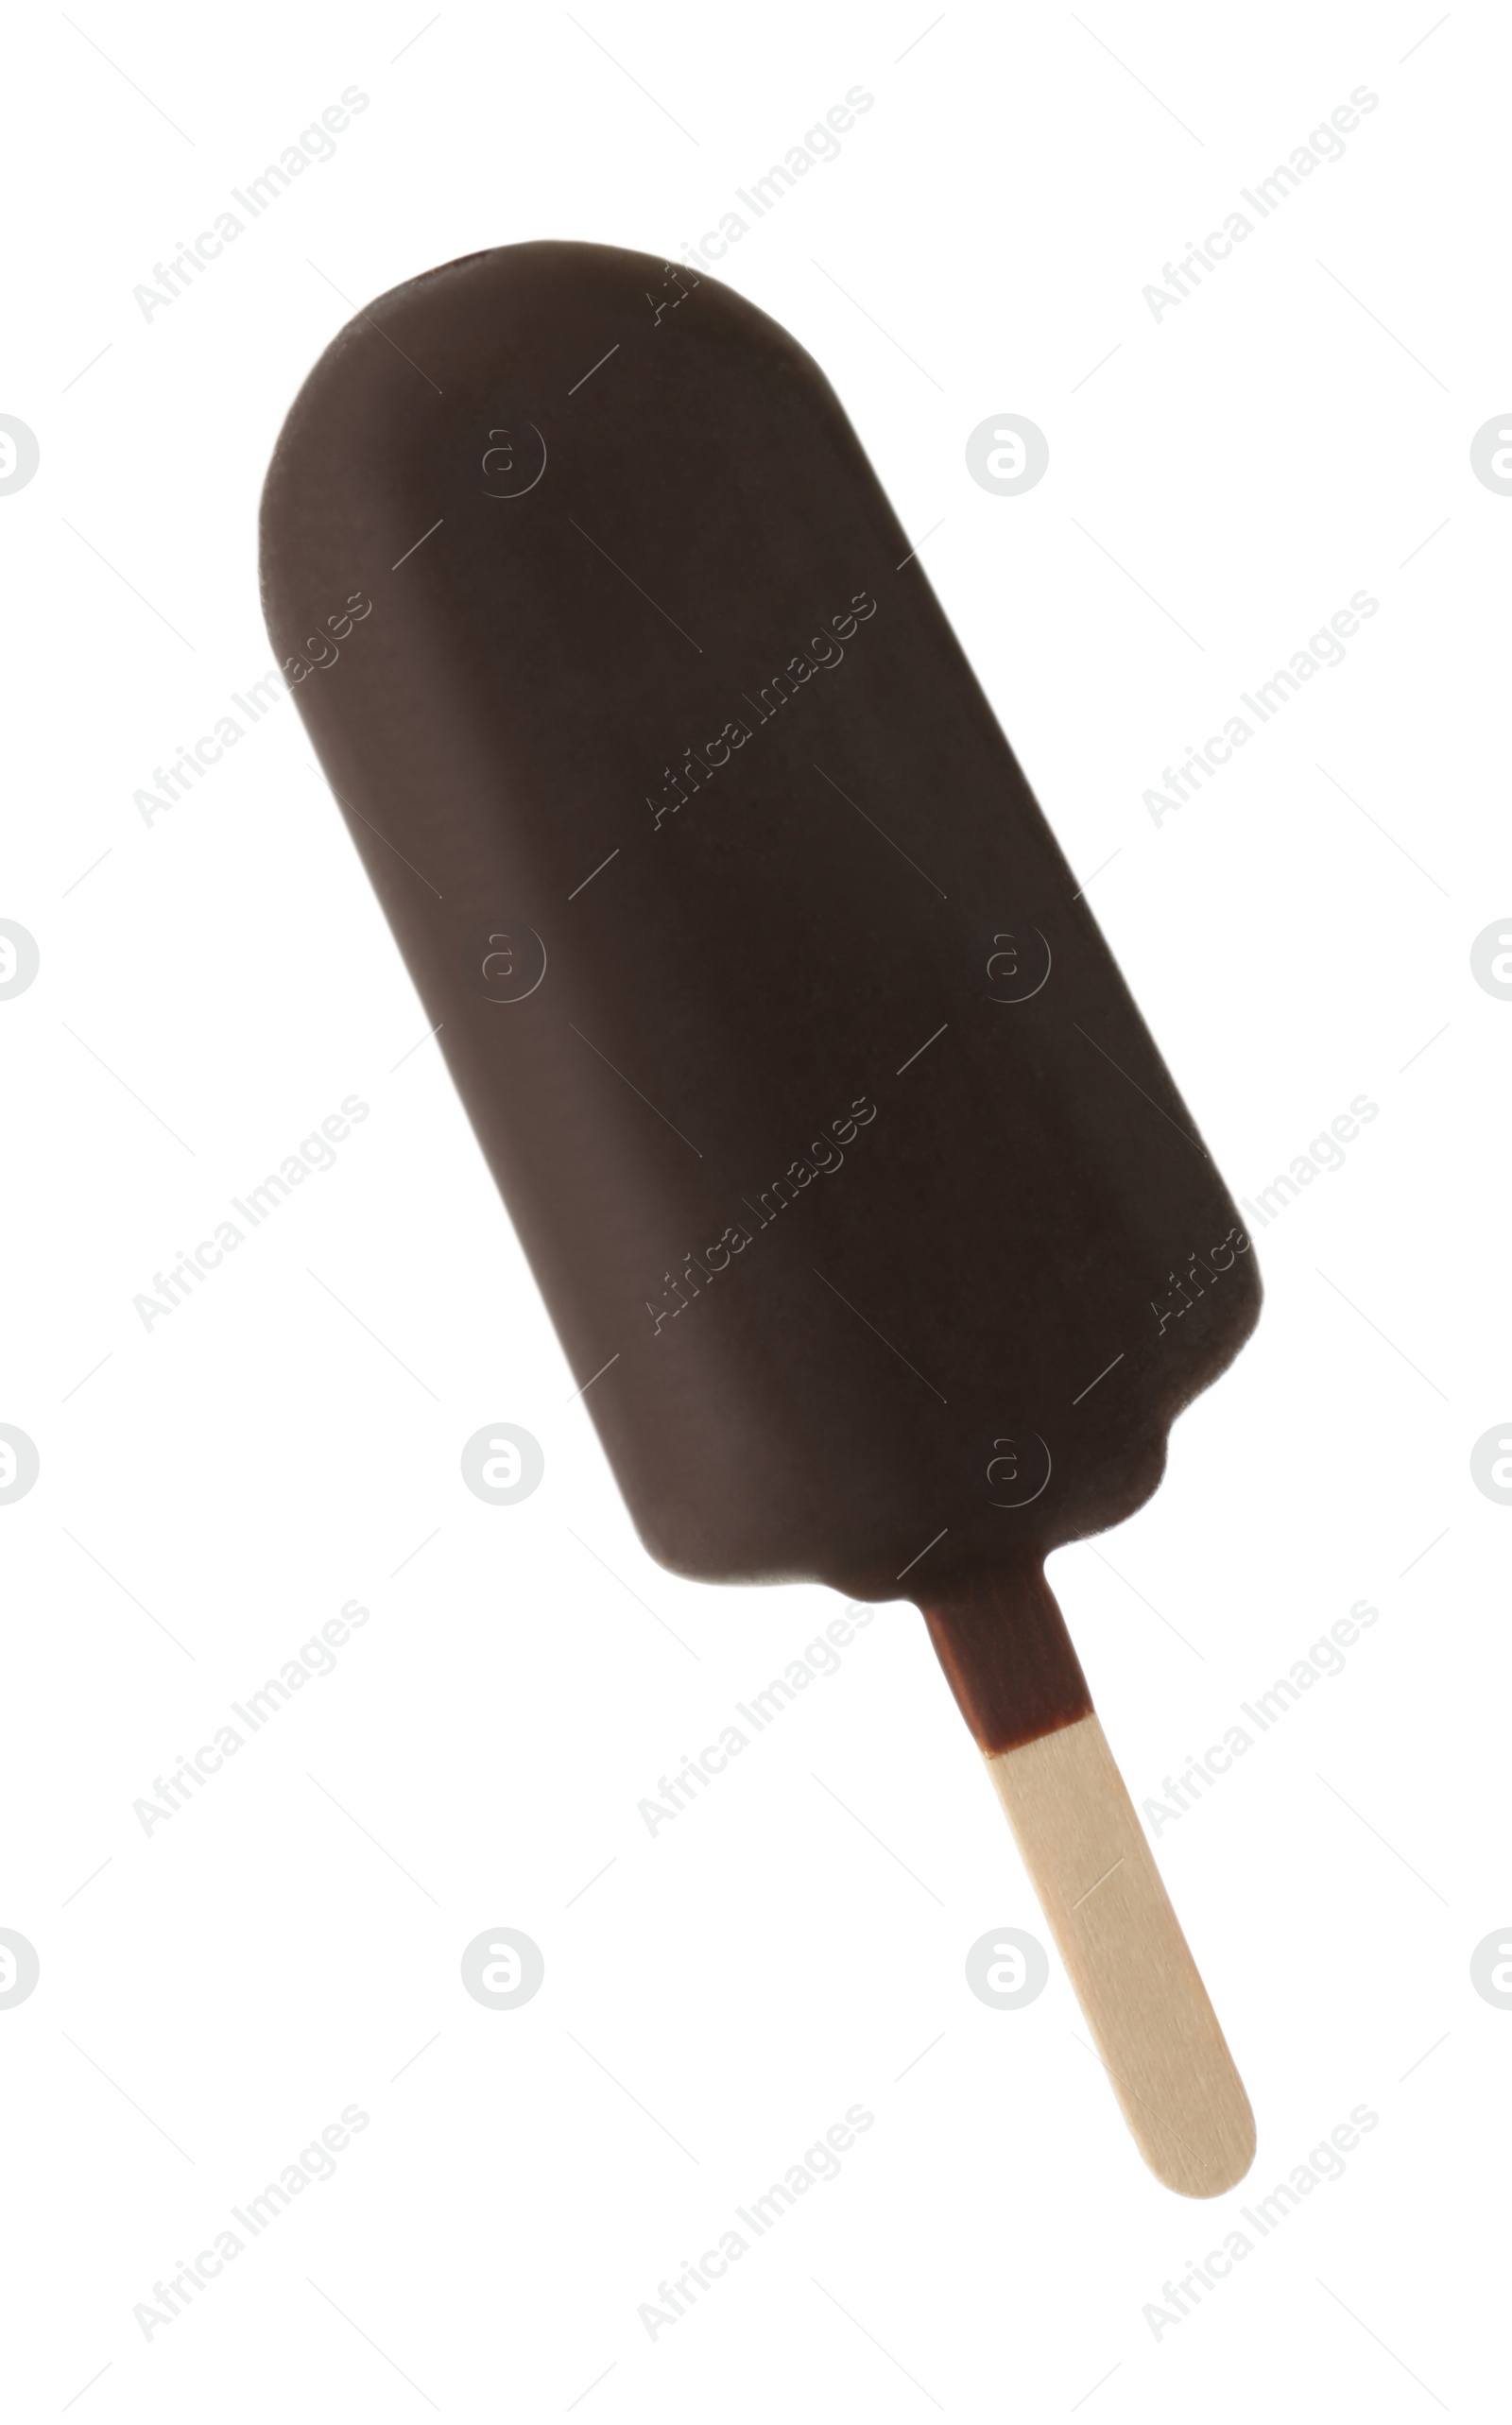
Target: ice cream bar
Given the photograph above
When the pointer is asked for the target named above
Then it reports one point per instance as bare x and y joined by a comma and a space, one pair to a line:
873, 1223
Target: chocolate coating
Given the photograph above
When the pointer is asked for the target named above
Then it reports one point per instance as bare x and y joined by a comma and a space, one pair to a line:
1008, 1657
813, 1090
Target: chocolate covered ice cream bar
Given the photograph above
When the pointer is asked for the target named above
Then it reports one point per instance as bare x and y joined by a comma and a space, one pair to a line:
865, 1209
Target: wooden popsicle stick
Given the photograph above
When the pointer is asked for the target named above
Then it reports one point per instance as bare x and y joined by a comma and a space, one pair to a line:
1122, 1944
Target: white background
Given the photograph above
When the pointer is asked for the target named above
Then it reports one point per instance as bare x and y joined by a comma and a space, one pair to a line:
1219, 484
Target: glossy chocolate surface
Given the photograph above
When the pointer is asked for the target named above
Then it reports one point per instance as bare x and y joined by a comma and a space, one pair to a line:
839, 1149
